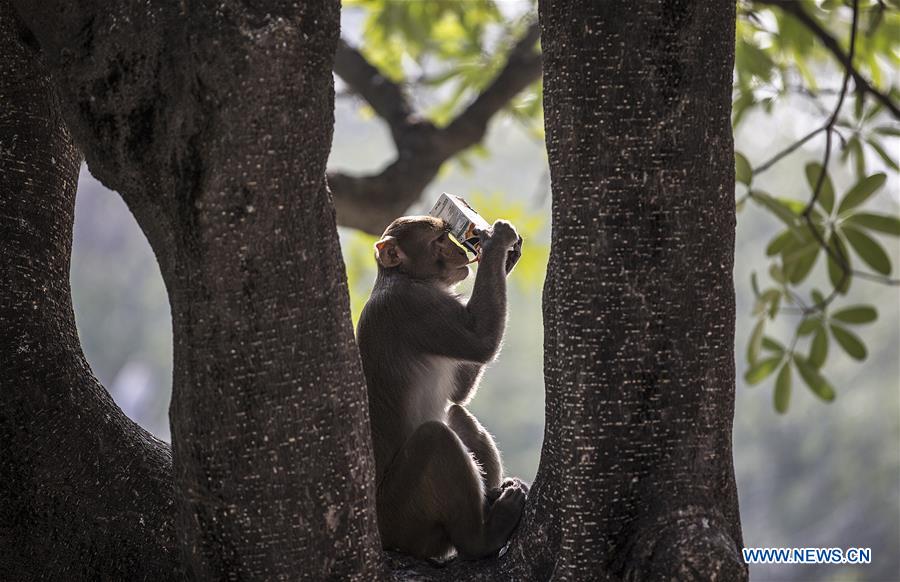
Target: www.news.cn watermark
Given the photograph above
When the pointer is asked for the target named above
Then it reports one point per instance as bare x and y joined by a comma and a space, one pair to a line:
807, 555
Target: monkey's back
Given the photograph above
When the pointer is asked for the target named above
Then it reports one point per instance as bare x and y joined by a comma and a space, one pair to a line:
405, 387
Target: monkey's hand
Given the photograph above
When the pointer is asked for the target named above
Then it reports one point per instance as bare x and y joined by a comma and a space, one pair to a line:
513, 256
502, 237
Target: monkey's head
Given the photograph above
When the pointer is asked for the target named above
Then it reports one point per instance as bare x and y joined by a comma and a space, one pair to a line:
421, 247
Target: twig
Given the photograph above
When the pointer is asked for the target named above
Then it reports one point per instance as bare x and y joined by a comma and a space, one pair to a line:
787, 151
836, 254
796, 10
829, 129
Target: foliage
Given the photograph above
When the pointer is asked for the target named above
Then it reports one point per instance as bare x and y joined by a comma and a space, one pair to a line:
794, 252
447, 51
778, 56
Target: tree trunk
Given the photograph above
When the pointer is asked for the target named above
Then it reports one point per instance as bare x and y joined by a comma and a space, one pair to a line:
85, 493
214, 124
636, 478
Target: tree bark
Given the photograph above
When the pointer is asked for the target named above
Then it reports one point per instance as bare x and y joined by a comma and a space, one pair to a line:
214, 124
636, 479
85, 493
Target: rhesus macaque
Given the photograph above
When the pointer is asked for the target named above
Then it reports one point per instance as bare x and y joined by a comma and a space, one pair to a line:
439, 476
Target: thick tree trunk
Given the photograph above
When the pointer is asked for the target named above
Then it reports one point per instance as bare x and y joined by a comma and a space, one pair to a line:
85, 493
214, 123
636, 478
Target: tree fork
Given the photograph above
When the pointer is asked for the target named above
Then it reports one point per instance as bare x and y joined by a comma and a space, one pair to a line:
214, 124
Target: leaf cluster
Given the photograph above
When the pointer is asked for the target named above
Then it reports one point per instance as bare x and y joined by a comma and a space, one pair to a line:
794, 252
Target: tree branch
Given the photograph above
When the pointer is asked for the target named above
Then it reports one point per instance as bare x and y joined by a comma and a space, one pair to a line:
371, 202
796, 10
215, 128
386, 97
522, 68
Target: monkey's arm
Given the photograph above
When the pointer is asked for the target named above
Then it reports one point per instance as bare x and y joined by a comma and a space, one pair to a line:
436, 323
467, 376
487, 306
439, 324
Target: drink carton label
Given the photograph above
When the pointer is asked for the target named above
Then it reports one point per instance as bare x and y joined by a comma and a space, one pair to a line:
461, 217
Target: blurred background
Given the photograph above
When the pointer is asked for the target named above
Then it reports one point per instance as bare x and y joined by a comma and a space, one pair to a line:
818, 474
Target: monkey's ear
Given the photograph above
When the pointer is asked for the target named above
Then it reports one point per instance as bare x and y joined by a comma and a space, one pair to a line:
388, 252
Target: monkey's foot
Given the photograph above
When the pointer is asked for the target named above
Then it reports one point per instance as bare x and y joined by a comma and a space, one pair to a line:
492, 495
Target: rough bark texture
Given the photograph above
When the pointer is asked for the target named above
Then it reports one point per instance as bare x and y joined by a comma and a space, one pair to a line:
636, 477
214, 123
85, 494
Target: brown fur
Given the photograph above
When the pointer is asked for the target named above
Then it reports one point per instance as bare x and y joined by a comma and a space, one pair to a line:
423, 348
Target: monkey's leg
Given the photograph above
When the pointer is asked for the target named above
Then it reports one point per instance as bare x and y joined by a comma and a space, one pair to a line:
480, 442
432, 497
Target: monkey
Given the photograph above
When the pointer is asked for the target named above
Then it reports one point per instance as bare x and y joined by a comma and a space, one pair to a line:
439, 475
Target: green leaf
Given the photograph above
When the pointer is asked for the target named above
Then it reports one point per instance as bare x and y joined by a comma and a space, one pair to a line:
755, 341
777, 274
795, 206
809, 325
743, 172
762, 370
859, 158
777, 244
826, 191
814, 379
772, 345
818, 349
851, 343
782, 396
887, 130
852, 143
861, 191
868, 250
776, 207
835, 272
856, 314
878, 222
798, 268
858, 104
885, 157
768, 297
795, 252
817, 297
752, 59
773, 307
754, 284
